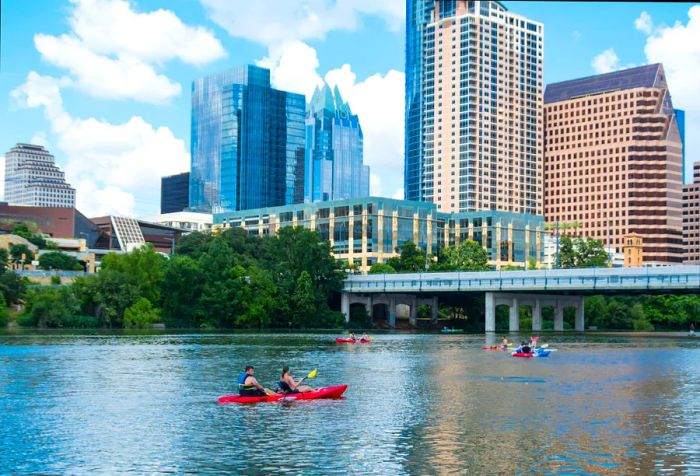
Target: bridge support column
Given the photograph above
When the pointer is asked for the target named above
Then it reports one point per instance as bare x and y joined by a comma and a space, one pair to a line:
392, 312
580, 316
345, 306
490, 313
434, 310
537, 316
559, 317
514, 316
413, 316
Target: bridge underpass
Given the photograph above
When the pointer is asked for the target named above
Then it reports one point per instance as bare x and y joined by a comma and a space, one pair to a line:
538, 289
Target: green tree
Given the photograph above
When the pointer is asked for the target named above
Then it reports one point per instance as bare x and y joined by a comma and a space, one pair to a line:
182, 287
115, 291
567, 253
141, 315
58, 260
4, 312
581, 253
144, 266
193, 244
303, 301
381, 268
12, 287
639, 320
17, 250
4, 256
410, 260
50, 307
468, 256
30, 232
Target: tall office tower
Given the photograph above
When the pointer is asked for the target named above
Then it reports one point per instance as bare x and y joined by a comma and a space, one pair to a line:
32, 178
473, 107
247, 142
334, 168
691, 218
613, 160
174, 193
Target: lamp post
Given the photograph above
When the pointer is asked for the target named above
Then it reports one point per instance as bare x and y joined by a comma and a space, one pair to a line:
172, 245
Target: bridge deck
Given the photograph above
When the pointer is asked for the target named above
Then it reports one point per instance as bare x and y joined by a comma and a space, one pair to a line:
671, 278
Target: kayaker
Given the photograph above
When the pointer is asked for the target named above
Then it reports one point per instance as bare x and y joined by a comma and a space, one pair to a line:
365, 337
288, 385
248, 386
525, 348
504, 344
352, 336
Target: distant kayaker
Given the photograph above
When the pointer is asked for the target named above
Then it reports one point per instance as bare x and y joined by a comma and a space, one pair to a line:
525, 348
692, 328
364, 337
352, 336
505, 342
288, 385
248, 386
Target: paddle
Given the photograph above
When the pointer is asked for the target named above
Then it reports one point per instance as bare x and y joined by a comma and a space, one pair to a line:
312, 374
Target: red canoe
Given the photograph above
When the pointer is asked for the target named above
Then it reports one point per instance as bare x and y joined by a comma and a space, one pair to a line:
340, 340
326, 392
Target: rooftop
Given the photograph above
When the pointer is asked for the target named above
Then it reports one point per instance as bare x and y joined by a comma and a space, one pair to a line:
648, 76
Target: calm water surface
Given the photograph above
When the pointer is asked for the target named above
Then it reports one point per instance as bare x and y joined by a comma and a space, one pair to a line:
416, 404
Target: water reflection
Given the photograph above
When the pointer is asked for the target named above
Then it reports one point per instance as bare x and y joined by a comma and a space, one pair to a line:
415, 405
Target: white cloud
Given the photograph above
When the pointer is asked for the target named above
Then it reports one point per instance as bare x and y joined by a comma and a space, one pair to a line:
293, 67
677, 47
39, 138
273, 22
108, 164
399, 195
644, 23
605, 62
112, 51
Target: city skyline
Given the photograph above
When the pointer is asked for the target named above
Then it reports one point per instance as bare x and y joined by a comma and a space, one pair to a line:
105, 104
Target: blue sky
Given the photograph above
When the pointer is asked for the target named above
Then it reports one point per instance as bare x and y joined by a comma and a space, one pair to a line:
105, 84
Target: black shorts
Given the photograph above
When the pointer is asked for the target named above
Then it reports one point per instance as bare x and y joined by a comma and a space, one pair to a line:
252, 393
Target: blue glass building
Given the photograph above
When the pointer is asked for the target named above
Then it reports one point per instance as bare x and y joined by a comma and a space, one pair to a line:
174, 193
333, 163
247, 142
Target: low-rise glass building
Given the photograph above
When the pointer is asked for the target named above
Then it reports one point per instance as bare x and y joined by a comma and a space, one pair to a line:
368, 230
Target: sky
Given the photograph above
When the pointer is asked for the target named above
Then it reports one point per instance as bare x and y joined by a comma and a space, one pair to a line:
105, 84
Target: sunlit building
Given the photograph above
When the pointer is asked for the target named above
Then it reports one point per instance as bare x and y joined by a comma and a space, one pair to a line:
334, 168
473, 120
691, 218
368, 230
247, 142
613, 160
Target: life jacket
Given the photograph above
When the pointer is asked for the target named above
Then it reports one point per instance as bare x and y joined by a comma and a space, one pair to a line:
242, 386
284, 386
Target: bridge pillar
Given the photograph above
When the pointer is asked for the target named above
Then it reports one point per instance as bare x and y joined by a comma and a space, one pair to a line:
514, 316
537, 316
559, 317
490, 313
413, 316
580, 321
392, 312
345, 306
434, 310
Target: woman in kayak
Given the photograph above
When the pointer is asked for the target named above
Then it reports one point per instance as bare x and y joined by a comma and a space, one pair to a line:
288, 385
248, 386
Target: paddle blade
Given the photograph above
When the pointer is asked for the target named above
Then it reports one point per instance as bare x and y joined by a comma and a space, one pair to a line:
312, 374
544, 346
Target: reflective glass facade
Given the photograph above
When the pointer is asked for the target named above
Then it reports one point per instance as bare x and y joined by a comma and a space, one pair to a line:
334, 168
367, 231
247, 142
174, 193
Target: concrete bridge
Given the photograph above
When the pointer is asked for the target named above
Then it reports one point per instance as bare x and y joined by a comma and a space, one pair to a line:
560, 289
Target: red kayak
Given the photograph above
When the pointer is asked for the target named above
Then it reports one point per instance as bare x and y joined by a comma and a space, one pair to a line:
326, 392
494, 347
340, 340
522, 354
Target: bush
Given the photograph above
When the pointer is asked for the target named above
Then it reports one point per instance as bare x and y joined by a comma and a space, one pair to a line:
58, 260
382, 268
55, 279
359, 319
4, 312
141, 315
49, 307
80, 322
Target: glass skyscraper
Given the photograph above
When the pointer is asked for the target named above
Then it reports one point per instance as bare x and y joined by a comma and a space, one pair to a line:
247, 142
473, 107
333, 167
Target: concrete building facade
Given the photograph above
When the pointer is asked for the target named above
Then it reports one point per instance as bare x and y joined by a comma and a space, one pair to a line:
473, 120
368, 230
691, 218
32, 178
613, 160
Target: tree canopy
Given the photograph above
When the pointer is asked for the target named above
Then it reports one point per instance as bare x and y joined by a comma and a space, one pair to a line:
581, 253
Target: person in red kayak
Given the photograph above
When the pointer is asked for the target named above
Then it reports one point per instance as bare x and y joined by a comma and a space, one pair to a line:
248, 386
288, 385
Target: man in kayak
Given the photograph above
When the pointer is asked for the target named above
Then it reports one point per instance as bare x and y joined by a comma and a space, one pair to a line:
288, 385
525, 348
248, 386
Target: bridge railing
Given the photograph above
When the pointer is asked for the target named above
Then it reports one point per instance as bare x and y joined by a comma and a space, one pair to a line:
654, 278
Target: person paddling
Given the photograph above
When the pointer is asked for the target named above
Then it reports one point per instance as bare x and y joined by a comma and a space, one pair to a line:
248, 386
288, 385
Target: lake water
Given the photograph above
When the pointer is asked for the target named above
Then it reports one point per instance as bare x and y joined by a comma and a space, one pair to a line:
416, 404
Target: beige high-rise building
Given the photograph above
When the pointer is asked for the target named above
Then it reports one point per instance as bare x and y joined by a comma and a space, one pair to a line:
474, 123
613, 160
691, 218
